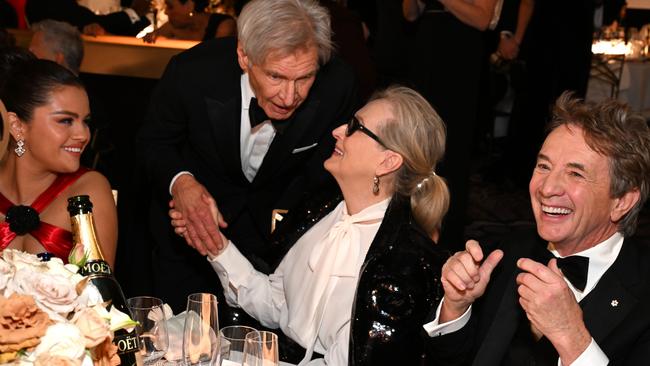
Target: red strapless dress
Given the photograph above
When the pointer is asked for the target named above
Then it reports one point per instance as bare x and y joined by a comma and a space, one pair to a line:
54, 239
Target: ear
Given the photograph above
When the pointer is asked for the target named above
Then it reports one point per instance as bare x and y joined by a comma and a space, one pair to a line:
60, 59
391, 162
15, 125
624, 204
242, 58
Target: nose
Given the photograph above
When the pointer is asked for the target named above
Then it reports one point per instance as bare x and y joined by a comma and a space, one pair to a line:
552, 184
288, 93
80, 132
339, 132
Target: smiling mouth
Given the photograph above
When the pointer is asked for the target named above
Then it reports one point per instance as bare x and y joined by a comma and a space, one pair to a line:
76, 150
556, 211
337, 151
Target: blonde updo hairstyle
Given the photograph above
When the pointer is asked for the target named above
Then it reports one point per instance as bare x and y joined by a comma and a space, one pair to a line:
418, 134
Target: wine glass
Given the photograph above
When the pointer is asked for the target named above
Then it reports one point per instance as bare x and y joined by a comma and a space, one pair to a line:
201, 332
261, 349
232, 344
152, 327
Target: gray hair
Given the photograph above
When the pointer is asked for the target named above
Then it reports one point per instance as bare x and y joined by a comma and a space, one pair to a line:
63, 38
265, 26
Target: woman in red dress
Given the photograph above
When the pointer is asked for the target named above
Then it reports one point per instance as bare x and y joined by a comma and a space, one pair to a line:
46, 124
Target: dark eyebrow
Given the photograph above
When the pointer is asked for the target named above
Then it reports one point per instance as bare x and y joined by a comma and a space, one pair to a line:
578, 166
67, 113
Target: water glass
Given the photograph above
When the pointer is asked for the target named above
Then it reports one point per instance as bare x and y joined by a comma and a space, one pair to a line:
232, 344
151, 328
201, 331
261, 349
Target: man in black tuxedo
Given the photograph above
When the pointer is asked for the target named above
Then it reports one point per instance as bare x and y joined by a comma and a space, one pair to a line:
207, 138
587, 307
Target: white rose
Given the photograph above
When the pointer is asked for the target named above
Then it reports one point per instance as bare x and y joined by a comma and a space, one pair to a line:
56, 266
62, 339
7, 272
22, 260
55, 294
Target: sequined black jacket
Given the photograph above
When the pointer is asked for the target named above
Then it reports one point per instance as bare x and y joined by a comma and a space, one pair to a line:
398, 286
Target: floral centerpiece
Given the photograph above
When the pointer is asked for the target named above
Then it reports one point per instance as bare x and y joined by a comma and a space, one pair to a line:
51, 315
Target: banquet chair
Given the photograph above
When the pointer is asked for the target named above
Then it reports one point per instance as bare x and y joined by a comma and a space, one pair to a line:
608, 69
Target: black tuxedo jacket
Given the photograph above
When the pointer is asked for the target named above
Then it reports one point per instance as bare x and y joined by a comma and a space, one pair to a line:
615, 311
194, 125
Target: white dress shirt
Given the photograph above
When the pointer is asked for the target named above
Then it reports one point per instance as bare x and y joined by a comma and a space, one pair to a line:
279, 299
254, 143
601, 257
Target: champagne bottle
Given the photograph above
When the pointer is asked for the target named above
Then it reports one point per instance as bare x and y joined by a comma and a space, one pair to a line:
100, 274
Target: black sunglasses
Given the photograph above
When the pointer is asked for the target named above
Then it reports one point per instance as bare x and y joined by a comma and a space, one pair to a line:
355, 125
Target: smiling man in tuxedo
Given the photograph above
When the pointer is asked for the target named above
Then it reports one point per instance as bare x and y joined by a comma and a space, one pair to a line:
247, 123
576, 291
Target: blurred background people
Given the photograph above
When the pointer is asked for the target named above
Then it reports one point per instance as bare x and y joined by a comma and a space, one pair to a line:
187, 19
445, 66
59, 42
47, 128
129, 21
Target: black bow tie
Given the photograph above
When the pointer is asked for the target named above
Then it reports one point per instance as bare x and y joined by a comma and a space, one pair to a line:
575, 270
256, 114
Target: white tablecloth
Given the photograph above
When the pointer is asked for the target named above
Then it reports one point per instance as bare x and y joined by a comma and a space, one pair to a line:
634, 87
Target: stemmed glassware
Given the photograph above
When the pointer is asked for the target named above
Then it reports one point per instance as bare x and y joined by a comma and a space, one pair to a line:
201, 331
151, 328
261, 349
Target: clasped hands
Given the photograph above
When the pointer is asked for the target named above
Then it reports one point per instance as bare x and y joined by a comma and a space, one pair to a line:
195, 216
547, 300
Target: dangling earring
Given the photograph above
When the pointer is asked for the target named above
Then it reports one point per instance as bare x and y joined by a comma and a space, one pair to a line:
20, 147
375, 185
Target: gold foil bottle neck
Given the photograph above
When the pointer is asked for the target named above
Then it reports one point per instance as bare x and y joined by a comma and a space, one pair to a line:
83, 231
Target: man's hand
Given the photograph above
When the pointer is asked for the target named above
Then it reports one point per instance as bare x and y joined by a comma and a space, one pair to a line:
552, 308
94, 29
508, 48
199, 214
464, 279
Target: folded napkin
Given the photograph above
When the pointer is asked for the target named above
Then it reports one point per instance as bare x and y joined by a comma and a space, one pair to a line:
175, 328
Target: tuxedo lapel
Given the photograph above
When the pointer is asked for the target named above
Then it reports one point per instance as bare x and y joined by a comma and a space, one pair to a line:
504, 312
607, 305
504, 324
225, 124
283, 143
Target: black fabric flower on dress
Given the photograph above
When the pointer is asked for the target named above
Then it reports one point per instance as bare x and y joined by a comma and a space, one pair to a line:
22, 219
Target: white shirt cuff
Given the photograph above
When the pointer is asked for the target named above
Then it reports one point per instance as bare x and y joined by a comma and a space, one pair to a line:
591, 356
232, 268
435, 329
133, 16
171, 184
